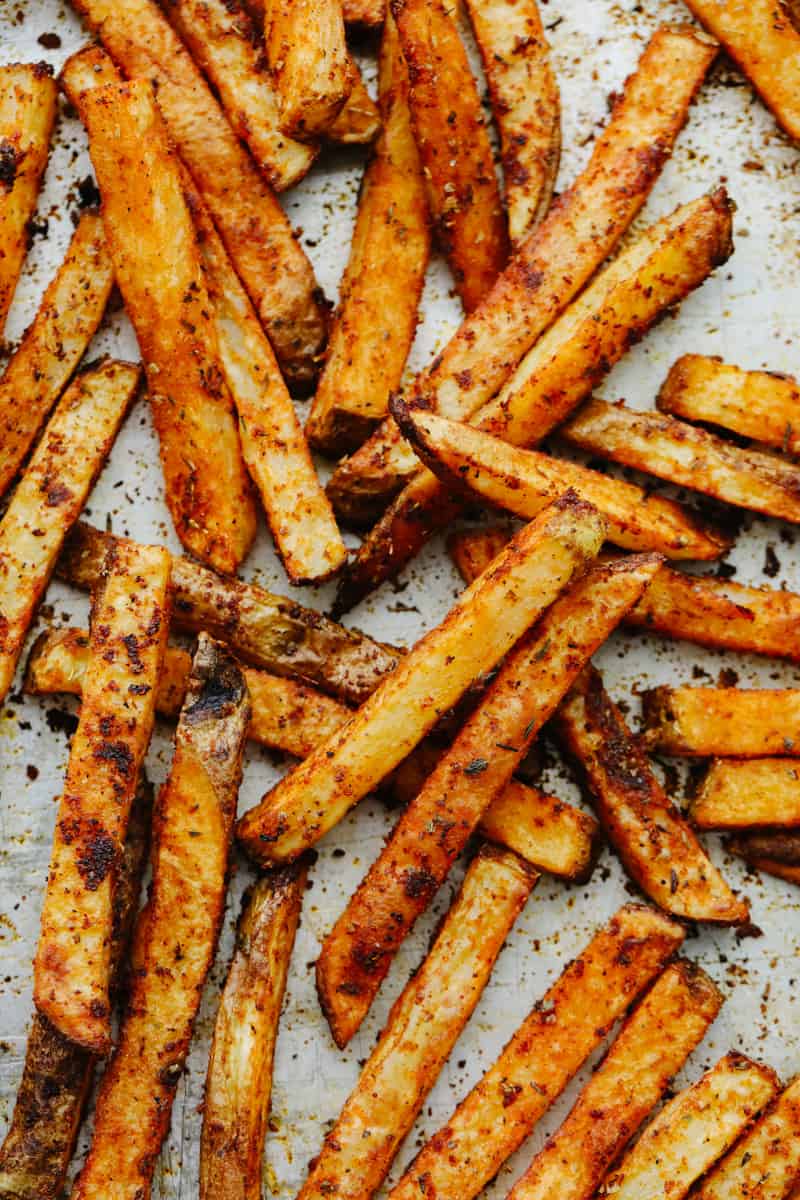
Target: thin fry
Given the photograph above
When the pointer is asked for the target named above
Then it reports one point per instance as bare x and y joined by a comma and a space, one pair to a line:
765, 1163
747, 794
701, 722
312, 73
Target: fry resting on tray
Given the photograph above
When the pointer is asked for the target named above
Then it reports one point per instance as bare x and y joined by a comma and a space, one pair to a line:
748, 793
311, 70
700, 722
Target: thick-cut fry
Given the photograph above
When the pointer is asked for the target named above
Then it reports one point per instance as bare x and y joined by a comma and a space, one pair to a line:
748, 847
546, 831
312, 73
756, 404
550, 268
765, 1163
729, 722
747, 794
421, 1030
471, 550
561, 1031
239, 1079
478, 632
256, 232
693, 1131
176, 936
383, 280
28, 97
525, 104
651, 1047
359, 119
51, 494
130, 621
432, 832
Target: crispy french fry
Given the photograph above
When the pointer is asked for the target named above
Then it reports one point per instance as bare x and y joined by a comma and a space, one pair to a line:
701, 722
51, 494
748, 794
256, 232
312, 72
756, 404
525, 103
421, 1030
432, 832
561, 1031
130, 620
548, 832
652, 1046
239, 1078
28, 97
359, 119
527, 577
765, 1163
693, 1131
471, 550
382, 283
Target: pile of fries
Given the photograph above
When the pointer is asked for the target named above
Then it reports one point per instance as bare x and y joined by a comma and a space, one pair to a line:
197, 114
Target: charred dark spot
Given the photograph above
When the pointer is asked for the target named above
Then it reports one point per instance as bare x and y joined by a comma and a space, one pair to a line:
509, 1092
139, 689
10, 160
417, 884
220, 693
59, 721
118, 754
367, 957
621, 757
531, 277
96, 858
349, 988
131, 644
99, 1010
88, 193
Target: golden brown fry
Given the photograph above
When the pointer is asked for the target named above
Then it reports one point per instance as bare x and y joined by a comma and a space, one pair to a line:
551, 1044
652, 1046
551, 834
471, 550
359, 119
367, 14
765, 1163
51, 494
239, 1079
701, 722
382, 283
747, 794
312, 72
421, 1030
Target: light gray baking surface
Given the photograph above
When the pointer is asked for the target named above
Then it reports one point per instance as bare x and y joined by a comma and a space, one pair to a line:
749, 313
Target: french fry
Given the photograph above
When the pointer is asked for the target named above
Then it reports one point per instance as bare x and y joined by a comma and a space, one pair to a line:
747, 794
776, 845
382, 284
703, 722
367, 14
239, 1078
578, 234
471, 550
256, 232
693, 1131
756, 404
359, 119
130, 620
312, 72
421, 1030
28, 97
432, 832
652, 1046
527, 577
176, 936
51, 494
548, 832
654, 841
691, 457
551, 1044
525, 103
742, 846
765, 1163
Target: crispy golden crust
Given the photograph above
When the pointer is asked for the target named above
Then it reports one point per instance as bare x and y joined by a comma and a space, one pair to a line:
422, 1028
367, 14
701, 722
312, 72
748, 794
563, 1028
130, 620
471, 550
765, 1163
359, 119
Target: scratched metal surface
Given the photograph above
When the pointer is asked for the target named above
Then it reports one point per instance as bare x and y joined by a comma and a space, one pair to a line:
749, 313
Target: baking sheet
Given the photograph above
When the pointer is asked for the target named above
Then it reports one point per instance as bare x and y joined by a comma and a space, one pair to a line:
749, 313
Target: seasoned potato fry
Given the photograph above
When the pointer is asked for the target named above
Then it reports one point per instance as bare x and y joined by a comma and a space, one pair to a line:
700, 722
312, 72
777, 845
422, 1028
748, 794
549, 833
527, 577
652, 1046
693, 1131
28, 97
471, 550
359, 119
382, 284
756, 404
368, 14
765, 1163
787, 871
51, 494
239, 1079
551, 1044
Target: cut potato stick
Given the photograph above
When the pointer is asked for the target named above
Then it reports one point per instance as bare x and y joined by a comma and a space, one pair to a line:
28, 96
256, 232
471, 550
176, 936
765, 1163
367, 14
239, 1079
51, 494
693, 1131
777, 845
527, 577
54, 343
789, 872
525, 104
755, 404
654, 841
748, 794
421, 1030
382, 283
359, 119
701, 722
554, 1040
652, 1046
312, 72
551, 834
130, 621
432, 832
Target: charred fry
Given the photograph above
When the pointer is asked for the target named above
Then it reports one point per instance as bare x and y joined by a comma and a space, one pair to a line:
765, 1163
749, 847
747, 794
311, 70
729, 722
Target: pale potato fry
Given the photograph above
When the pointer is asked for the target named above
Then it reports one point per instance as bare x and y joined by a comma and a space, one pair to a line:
359, 119
748, 794
765, 1163
432, 832
130, 621
702, 722
51, 494
551, 1044
693, 1131
239, 1078
312, 72
28, 97
382, 283
421, 1030
652, 1046
527, 577
756, 404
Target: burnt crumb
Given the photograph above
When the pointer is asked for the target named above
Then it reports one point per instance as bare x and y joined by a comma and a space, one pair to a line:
748, 930
50, 41
88, 193
772, 564
59, 721
9, 163
728, 678
32, 772
37, 228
